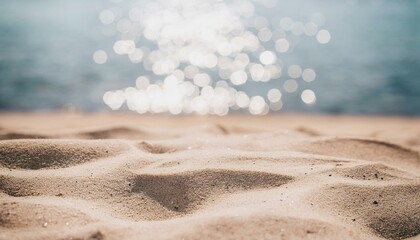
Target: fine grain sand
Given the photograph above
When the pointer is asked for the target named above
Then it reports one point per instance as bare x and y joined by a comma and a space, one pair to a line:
123, 176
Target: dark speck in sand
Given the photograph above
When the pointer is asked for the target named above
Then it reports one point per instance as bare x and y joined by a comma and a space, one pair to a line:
97, 236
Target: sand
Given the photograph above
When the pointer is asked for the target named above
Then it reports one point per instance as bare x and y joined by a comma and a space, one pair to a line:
124, 176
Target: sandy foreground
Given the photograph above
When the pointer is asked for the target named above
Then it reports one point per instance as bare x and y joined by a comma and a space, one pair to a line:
124, 176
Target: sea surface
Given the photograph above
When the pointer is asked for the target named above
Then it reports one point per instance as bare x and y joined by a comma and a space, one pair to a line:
371, 65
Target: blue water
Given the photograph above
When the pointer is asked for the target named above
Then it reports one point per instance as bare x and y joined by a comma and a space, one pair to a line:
371, 65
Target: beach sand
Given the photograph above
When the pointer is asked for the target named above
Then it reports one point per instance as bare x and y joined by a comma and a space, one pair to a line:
125, 176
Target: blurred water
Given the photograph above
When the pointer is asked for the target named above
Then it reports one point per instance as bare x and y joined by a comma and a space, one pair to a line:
371, 65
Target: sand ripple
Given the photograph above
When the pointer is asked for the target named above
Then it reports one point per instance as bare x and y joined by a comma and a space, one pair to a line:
206, 181
184, 192
37, 154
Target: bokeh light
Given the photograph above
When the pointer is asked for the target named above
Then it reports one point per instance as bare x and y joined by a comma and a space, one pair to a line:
308, 75
295, 71
199, 54
323, 36
107, 16
100, 57
290, 85
308, 96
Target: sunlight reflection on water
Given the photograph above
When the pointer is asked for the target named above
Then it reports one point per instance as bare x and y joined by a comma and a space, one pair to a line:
201, 50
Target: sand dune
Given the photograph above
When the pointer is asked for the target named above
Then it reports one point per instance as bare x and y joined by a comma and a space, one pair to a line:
268, 227
36, 154
186, 191
131, 177
365, 149
22, 215
391, 211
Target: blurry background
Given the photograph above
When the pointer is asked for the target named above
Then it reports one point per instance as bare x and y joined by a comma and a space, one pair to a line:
369, 66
